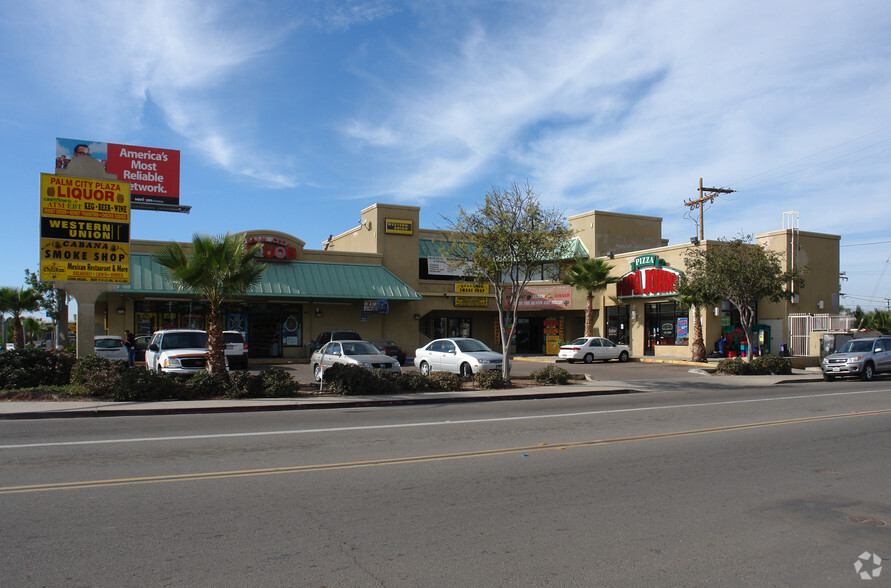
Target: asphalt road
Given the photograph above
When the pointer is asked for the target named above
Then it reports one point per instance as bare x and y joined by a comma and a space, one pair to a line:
783, 486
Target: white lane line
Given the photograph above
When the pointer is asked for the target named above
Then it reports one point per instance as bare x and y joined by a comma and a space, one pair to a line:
430, 423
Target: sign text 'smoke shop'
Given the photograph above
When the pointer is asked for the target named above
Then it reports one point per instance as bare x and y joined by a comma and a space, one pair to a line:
649, 276
153, 173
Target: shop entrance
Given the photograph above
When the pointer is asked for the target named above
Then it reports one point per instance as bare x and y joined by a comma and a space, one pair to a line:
265, 335
617, 324
530, 335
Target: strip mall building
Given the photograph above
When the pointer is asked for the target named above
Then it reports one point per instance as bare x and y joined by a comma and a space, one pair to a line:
385, 279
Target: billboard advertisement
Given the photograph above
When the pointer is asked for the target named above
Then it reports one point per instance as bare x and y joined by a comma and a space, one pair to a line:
153, 173
84, 230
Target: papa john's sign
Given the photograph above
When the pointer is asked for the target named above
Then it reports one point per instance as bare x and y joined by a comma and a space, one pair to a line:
649, 276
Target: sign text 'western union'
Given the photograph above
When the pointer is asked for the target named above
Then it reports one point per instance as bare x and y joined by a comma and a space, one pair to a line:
398, 226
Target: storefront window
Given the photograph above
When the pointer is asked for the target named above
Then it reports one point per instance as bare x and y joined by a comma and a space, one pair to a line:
617, 324
661, 325
451, 327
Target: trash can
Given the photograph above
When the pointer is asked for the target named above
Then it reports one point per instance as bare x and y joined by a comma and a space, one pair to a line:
784, 350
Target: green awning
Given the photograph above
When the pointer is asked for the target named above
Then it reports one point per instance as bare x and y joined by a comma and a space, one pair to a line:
299, 279
572, 249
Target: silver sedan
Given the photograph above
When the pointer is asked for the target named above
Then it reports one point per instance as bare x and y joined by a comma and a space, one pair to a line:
361, 353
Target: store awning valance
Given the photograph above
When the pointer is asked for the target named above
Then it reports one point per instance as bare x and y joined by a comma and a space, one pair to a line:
300, 279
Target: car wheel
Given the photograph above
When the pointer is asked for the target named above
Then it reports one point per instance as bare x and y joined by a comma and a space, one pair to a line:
317, 372
588, 358
828, 377
623, 357
465, 370
867, 372
424, 368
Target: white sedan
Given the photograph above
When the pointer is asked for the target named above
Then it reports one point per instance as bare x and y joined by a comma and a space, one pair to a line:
110, 347
459, 355
588, 349
361, 353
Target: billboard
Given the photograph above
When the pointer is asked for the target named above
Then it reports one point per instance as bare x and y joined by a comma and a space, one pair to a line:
84, 230
153, 173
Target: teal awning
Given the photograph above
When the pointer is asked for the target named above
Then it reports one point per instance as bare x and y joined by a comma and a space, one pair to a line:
299, 279
572, 249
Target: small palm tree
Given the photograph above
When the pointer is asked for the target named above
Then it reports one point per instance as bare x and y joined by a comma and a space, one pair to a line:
16, 302
693, 296
592, 276
217, 268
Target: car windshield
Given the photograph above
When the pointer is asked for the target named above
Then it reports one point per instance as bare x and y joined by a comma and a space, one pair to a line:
857, 346
470, 345
359, 348
581, 341
108, 343
185, 340
233, 338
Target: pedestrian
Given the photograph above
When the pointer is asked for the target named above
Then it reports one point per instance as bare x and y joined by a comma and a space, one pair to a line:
130, 344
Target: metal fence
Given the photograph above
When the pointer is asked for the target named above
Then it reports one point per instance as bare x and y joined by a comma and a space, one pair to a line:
802, 325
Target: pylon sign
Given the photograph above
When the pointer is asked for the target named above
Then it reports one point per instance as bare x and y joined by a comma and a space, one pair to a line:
84, 230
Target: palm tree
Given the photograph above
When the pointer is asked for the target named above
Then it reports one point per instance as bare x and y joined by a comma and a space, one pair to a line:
218, 267
16, 302
592, 276
690, 296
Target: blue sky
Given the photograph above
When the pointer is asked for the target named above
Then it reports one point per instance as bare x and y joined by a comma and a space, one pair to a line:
293, 116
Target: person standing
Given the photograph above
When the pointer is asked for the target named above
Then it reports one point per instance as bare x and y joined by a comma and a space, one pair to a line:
130, 344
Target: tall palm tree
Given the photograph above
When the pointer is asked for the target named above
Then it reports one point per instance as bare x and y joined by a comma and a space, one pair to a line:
592, 276
16, 302
217, 268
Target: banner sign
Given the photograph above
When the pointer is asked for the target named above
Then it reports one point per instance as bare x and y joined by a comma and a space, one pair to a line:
153, 173
541, 297
376, 306
84, 230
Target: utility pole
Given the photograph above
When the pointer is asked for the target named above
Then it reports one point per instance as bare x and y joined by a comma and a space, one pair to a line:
705, 195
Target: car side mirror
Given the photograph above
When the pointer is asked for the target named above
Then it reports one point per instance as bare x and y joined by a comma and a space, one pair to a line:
154, 347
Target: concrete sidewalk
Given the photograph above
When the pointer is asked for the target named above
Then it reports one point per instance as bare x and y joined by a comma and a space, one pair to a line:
14, 410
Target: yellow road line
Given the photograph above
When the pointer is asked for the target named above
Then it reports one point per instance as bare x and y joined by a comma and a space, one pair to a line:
417, 459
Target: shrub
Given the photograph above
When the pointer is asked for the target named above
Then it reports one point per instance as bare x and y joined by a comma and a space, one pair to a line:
101, 376
414, 382
490, 380
33, 367
278, 384
352, 379
551, 375
445, 381
138, 385
735, 366
243, 384
772, 364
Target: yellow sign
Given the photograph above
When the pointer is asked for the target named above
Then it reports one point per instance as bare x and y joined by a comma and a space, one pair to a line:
84, 230
468, 288
398, 226
84, 261
474, 301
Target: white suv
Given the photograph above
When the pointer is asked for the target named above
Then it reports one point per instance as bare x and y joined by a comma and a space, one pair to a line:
236, 350
177, 352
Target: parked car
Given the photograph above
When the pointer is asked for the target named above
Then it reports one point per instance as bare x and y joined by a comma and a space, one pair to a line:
177, 352
858, 357
589, 349
110, 347
390, 348
236, 350
459, 355
333, 335
361, 353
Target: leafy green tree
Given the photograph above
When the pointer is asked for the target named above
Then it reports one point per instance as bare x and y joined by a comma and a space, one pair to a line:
742, 273
18, 302
217, 268
505, 242
690, 296
592, 276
